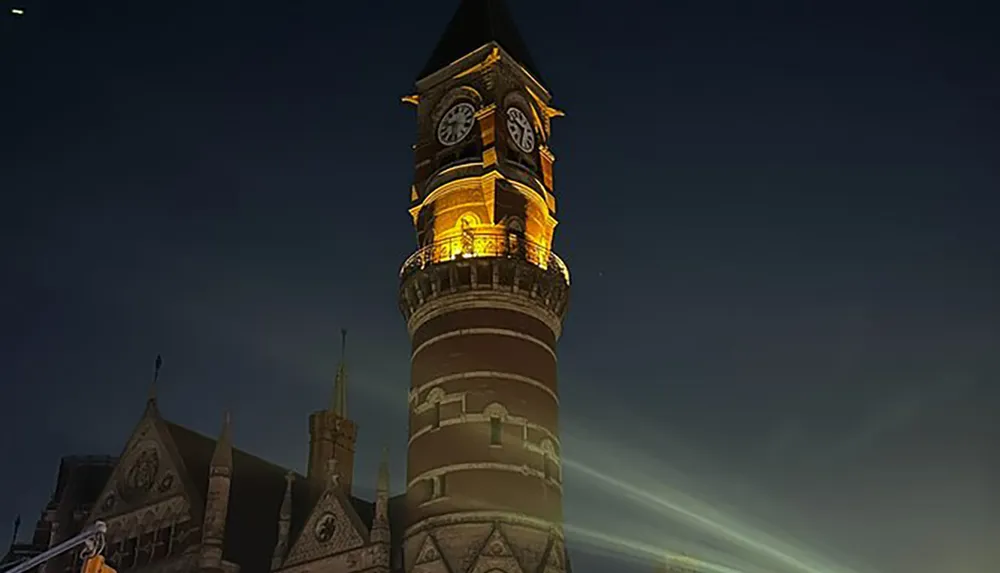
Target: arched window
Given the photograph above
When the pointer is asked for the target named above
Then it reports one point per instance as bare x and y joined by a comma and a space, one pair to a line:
496, 431
515, 235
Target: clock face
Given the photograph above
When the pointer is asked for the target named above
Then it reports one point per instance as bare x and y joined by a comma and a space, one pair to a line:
456, 123
520, 129
326, 526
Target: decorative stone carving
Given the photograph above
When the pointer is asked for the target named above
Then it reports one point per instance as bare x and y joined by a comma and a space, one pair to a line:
149, 518
329, 531
526, 287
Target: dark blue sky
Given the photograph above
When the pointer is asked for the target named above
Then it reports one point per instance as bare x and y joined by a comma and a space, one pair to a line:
780, 218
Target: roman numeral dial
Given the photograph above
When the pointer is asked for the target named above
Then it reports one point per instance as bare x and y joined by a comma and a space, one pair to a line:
520, 130
456, 123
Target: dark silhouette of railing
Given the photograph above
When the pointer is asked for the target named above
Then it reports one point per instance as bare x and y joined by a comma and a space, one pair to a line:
476, 245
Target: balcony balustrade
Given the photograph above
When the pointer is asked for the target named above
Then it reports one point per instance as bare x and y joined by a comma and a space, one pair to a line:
484, 245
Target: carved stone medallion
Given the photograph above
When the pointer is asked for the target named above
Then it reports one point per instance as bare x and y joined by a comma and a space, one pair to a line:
326, 526
140, 475
166, 482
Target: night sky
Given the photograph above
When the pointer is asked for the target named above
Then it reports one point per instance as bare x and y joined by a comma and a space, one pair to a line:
781, 220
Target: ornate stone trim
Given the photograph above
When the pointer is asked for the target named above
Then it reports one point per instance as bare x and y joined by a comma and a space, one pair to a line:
473, 418
457, 518
358, 559
436, 396
522, 469
475, 331
485, 374
420, 302
148, 519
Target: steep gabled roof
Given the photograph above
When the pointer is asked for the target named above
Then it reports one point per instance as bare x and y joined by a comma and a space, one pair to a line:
475, 24
258, 488
255, 496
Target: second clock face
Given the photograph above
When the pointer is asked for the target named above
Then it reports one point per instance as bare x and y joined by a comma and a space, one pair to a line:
456, 123
520, 129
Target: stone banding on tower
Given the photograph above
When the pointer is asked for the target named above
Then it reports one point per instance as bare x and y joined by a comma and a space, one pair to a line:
483, 297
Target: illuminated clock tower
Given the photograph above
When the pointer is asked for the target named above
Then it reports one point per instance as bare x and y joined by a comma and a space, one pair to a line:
483, 297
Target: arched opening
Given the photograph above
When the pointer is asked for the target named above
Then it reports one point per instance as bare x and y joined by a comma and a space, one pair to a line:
496, 431
467, 223
515, 236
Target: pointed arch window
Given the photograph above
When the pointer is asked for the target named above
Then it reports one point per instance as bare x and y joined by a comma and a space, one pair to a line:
436, 415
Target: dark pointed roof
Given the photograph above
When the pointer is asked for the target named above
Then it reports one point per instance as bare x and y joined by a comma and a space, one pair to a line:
255, 500
475, 24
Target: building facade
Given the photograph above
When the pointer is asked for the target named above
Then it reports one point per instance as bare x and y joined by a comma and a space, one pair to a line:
483, 297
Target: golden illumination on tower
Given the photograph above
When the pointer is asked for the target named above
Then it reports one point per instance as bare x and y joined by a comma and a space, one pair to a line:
464, 210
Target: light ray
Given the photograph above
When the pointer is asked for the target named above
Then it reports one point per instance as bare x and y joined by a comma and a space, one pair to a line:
649, 552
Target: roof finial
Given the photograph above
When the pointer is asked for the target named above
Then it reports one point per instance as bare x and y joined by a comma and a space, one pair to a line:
223, 455
339, 405
383, 472
286, 503
17, 527
332, 473
156, 378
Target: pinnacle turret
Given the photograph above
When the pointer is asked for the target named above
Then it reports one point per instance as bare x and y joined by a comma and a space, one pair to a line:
222, 458
339, 404
380, 522
475, 24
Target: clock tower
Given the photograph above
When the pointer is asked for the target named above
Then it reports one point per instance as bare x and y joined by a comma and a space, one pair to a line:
483, 297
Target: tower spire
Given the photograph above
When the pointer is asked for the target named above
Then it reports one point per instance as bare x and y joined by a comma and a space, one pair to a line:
475, 24
332, 435
339, 404
220, 472
284, 523
17, 528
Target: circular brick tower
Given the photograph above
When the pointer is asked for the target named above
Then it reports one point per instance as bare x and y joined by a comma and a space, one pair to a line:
483, 297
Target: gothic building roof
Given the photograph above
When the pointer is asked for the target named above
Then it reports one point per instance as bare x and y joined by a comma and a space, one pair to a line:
18, 553
256, 493
80, 480
475, 24
255, 498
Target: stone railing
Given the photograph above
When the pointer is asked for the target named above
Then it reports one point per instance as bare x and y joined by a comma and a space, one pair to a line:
472, 245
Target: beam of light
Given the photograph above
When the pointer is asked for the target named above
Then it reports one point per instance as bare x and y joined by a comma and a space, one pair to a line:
673, 504
17, 11
648, 552
666, 501
700, 517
